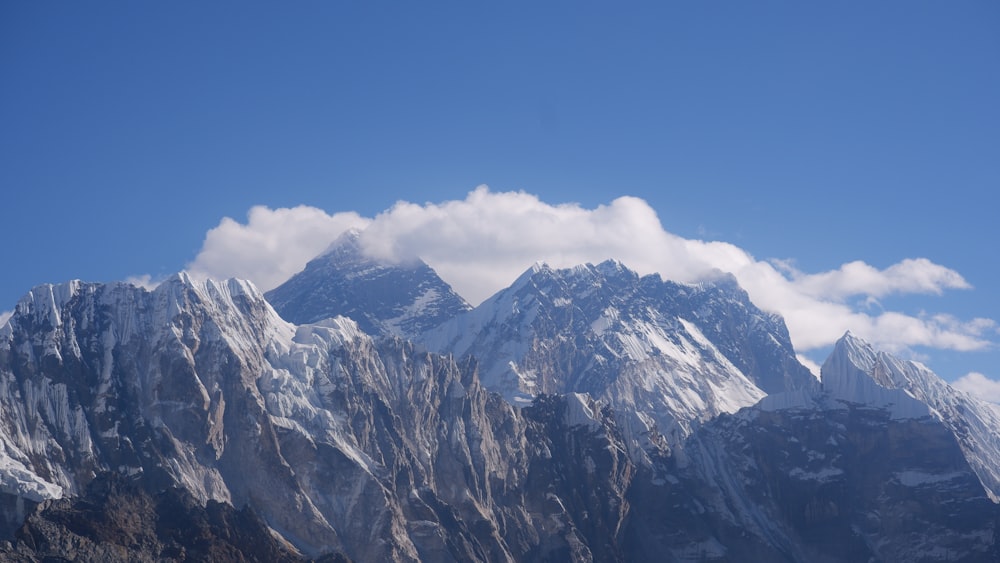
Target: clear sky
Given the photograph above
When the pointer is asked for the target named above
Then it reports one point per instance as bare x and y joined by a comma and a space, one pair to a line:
805, 135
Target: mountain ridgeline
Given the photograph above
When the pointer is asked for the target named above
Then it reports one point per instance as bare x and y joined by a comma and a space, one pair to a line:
363, 411
402, 300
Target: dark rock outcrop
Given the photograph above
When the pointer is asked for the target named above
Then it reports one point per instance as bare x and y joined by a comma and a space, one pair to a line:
119, 520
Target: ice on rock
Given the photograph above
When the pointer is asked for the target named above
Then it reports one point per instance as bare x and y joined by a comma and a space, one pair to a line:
581, 410
16, 479
857, 375
850, 375
633, 343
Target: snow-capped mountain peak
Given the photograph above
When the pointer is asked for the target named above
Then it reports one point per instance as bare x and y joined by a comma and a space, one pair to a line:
636, 343
402, 299
857, 372
852, 373
44, 302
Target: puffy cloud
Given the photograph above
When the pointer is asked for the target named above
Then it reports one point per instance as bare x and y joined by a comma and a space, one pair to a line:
813, 367
273, 244
979, 386
145, 281
482, 243
918, 275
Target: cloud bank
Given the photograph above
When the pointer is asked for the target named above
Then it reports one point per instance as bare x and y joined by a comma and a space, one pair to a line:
979, 386
482, 243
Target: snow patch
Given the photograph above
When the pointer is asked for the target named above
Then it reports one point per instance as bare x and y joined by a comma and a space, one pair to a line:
920, 478
581, 410
824, 475
16, 479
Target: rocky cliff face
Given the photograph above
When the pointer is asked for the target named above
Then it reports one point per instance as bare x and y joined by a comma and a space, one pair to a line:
341, 443
664, 356
629, 428
847, 484
973, 422
117, 520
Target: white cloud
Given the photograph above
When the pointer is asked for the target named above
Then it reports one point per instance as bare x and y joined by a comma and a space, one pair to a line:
482, 243
144, 281
918, 275
979, 386
272, 245
5, 316
811, 365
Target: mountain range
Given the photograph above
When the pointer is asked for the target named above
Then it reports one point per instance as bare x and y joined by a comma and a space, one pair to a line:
364, 411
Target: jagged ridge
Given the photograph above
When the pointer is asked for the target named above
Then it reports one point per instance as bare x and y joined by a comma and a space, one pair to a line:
332, 437
663, 355
380, 450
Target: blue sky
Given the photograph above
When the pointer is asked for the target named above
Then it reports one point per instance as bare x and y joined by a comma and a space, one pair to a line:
817, 134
